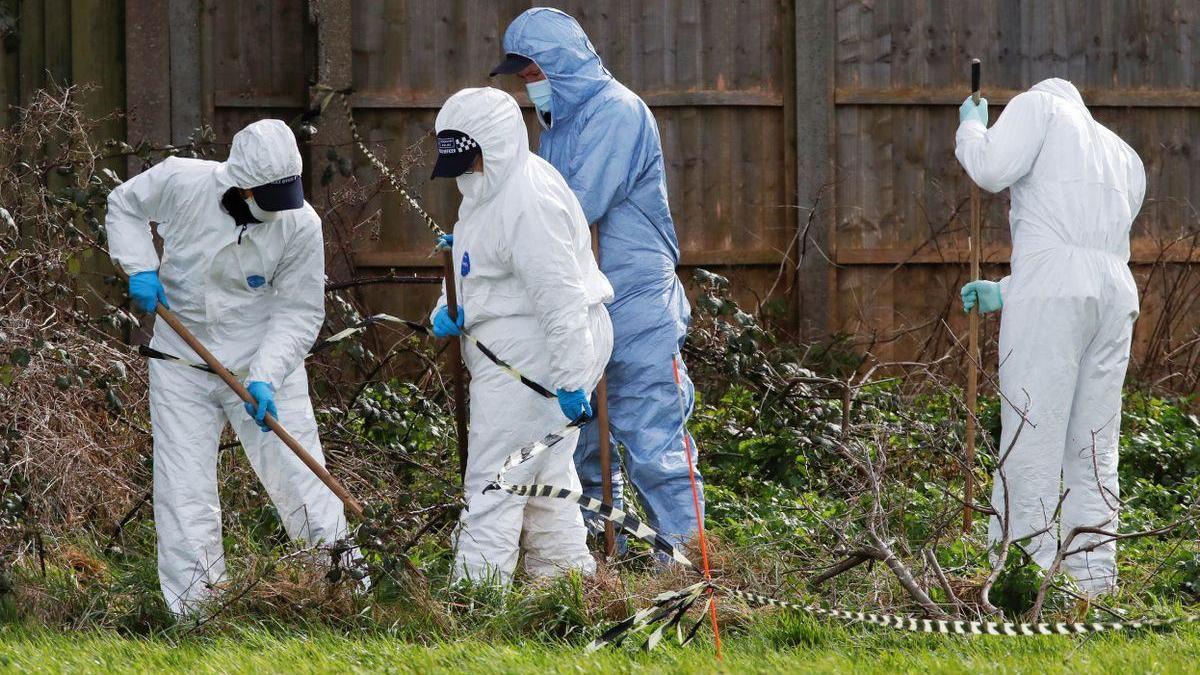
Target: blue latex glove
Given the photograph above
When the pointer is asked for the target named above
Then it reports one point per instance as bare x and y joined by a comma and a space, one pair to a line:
445, 242
968, 110
443, 326
264, 396
146, 291
574, 404
986, 293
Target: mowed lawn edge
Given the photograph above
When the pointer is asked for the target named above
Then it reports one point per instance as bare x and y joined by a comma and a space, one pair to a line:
783, 647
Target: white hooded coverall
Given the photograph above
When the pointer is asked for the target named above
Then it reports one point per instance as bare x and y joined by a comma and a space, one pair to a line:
1067, 318
532, 292
255, 298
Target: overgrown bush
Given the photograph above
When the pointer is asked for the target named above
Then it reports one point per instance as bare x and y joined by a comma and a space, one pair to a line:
829, 476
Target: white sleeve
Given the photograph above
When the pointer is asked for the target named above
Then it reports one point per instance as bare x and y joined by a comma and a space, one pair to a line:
1137, 186
131, 207
998, 157
299, 308
543, 258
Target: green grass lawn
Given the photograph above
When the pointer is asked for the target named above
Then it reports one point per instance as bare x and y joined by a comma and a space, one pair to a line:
774, 645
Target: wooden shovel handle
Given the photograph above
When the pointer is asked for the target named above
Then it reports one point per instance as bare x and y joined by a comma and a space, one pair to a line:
272, 423
456, 365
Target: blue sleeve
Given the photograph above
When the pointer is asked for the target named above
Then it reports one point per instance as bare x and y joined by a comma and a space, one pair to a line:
608, 158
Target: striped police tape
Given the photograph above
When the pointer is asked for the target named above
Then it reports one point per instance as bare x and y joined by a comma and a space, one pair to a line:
357, 328
395, 181
668, 609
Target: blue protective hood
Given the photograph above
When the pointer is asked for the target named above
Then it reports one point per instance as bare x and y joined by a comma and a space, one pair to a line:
557, 43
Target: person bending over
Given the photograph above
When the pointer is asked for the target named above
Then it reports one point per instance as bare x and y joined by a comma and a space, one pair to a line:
243, 267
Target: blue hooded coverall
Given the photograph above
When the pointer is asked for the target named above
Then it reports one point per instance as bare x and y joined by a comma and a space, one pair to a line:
603, 139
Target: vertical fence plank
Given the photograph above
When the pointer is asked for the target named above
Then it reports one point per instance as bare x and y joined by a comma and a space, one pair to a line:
147, 75
10, 41
814, 38
32, 49
97, 60
96, 53
56, 41
332, 21
186, 95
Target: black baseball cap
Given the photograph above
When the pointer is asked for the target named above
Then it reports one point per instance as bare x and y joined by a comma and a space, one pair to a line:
281, 195
456, 153
511, 65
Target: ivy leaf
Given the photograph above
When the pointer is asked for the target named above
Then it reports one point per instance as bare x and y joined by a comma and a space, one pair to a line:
19, 357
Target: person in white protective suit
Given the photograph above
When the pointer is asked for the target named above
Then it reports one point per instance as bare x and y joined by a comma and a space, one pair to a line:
532, 292
243, 268
1068, 313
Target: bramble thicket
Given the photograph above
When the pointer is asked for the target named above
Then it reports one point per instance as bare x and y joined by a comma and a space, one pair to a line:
831, 477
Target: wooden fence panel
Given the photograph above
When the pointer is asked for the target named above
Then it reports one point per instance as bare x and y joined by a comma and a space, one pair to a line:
713, 73
767, 108
900, 72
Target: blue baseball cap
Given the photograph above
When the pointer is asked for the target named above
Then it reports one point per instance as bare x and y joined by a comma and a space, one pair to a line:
281, 195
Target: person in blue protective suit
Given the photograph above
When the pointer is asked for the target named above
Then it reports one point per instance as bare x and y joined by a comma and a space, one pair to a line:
603, 139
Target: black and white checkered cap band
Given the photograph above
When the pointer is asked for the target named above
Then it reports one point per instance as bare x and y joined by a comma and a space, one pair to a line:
452, 145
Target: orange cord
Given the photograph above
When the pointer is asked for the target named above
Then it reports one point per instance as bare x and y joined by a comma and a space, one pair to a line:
687, 445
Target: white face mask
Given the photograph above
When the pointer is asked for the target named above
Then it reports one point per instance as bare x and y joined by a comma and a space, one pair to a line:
469, 184
260, 214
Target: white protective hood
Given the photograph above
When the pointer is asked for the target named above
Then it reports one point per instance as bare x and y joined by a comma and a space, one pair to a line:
263, 152
1061, 88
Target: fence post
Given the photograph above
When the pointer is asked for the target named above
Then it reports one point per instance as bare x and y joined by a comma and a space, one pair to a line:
816, 280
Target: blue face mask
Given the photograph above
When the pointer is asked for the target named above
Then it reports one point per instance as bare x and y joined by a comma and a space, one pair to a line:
539, 93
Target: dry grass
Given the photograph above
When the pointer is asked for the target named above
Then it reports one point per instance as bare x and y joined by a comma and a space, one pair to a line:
85, 461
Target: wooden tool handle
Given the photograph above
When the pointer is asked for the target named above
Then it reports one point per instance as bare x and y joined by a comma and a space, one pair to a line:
606, 498
272, 423
973, 333
456, 365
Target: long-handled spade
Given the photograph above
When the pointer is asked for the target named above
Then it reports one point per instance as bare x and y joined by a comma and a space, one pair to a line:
610, 534
973, 333
456, 365
272, 423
